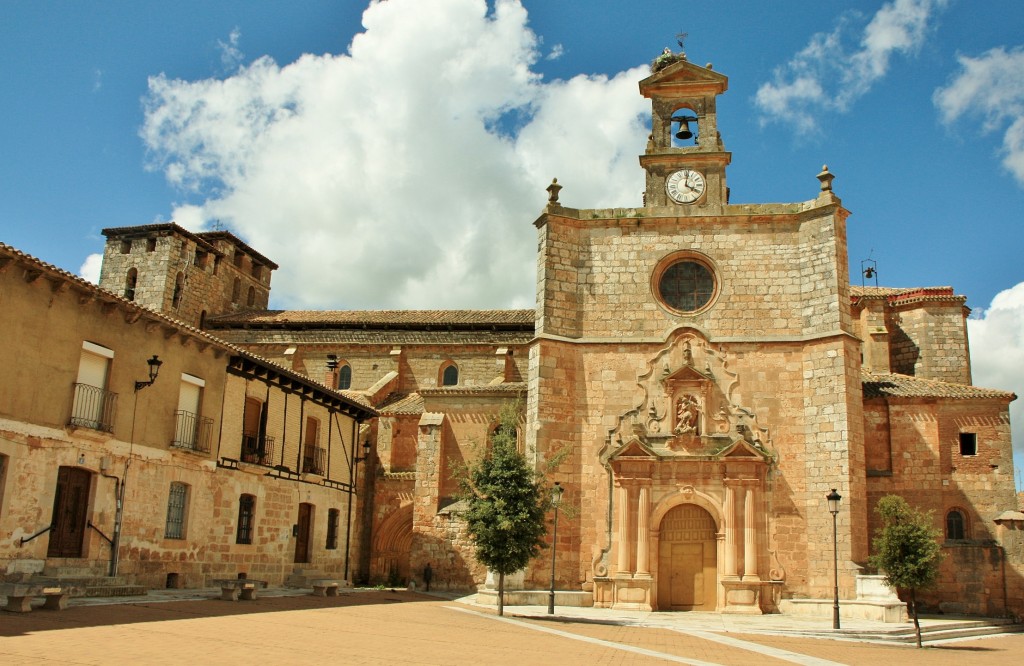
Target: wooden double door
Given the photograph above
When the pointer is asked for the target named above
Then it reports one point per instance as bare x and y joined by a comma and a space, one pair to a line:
70, 513
687, 560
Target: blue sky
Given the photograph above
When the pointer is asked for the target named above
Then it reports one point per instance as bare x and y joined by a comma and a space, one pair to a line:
397, 158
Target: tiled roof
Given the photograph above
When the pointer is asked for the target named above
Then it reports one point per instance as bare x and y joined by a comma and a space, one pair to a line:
506, 388
203, 238
380, 318
88, 287
903, 296
401, 403
903, 386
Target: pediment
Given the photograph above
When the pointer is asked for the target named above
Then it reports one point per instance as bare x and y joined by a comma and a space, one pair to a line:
741, 449
634, 448
683, 75
687, 373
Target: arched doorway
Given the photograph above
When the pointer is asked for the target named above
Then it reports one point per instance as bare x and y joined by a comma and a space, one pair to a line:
687, 560
391, 546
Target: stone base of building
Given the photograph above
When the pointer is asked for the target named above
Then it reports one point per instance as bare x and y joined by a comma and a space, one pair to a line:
742, 596
536, 598
853, 609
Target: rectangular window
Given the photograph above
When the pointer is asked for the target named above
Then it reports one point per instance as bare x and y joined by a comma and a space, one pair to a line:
126, 246
968, 444
246, 518
192, 430
332, 529
150, 245
93, 405
176, 501
312, 455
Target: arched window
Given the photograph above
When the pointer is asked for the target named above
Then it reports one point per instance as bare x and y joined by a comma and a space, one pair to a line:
236, 290
345, 377
450, 374
250, 298
956, 526
179, 285
129, 283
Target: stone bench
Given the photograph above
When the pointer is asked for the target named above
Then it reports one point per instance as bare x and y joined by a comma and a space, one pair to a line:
325, 587
233, 589
20, 595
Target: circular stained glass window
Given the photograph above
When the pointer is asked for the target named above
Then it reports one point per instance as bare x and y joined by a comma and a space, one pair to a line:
686, 286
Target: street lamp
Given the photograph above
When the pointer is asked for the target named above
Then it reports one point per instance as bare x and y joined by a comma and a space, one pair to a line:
556, 499
833, 508
154, 370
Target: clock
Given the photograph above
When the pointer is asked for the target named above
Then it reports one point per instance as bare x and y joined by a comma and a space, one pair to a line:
685, 186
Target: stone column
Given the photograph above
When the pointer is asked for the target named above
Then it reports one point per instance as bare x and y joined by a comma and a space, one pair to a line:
643, 532
749, 536
730, 531
622, 499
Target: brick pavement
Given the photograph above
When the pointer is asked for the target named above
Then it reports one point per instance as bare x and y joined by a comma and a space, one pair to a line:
369, 627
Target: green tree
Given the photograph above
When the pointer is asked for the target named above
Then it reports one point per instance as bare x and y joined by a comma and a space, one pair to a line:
906, 549
507, 504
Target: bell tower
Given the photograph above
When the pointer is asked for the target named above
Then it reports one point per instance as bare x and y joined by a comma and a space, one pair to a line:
685, 159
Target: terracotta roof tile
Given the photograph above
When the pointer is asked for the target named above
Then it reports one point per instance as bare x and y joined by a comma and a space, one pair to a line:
400, 403
382, 318
903, 386
508, 388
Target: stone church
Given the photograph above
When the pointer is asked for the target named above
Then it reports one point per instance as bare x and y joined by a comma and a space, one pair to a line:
705, 365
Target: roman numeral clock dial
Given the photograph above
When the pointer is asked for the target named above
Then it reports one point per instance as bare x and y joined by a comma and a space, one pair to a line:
685, 186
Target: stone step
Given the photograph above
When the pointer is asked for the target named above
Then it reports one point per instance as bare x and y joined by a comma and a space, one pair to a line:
94, 586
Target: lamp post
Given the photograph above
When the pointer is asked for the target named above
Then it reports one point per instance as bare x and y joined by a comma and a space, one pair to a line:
556, 499
154, 364
833, 508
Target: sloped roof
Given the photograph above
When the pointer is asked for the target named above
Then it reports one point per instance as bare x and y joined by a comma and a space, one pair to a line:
402, 403
482, 319
892, 385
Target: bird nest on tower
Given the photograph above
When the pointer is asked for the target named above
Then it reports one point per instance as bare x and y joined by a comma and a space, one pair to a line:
666, 58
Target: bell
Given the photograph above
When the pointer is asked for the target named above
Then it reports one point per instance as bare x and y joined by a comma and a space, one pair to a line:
684, 132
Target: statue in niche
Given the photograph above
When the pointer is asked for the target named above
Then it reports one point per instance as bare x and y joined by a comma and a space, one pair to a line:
687, 354
687, 416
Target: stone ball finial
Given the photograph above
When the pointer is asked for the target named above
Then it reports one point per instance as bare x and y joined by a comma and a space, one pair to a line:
553, 190
826, 179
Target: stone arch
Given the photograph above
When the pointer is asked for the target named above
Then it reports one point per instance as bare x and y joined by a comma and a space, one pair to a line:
686, 572
392, 544
685, 496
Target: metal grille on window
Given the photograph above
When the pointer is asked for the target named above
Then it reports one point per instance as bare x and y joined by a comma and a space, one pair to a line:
176, 512
332, 529
246, 509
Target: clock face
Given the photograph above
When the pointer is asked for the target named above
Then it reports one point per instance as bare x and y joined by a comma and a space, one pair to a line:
685, 186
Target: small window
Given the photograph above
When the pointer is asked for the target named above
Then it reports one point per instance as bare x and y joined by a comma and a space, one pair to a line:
345, 377
312, 454
332, 529
179, 286
238, 259
129, 283
450, 375
184, 249
200, 259
246, 518
955, 525
150, 245
216, 264
126, 247
236, 290
257, 271
968, 444
250, 298
176, 501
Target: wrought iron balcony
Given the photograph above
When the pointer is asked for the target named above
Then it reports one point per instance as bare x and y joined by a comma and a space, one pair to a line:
192, 432
258, 450
313, 459
93, 407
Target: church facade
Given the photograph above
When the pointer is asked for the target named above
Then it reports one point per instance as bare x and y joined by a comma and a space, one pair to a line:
706, 372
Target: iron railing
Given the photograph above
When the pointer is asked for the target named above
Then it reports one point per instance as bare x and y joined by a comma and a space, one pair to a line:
93, 407
192, 432
258, 450
313, 459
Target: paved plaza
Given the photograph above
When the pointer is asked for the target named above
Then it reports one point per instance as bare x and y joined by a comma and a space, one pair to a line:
398, 627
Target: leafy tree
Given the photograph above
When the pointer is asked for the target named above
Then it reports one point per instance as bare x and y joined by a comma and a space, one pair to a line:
906, 549
507, 503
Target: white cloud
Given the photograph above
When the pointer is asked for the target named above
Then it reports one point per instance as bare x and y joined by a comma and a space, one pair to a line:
557, 51
997, 355
90, 269
406, 173
827, 76
230, 55
991, 87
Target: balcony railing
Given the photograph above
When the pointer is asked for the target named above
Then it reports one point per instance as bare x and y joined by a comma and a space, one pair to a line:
93, 408
192, 432
313, 458
258, 450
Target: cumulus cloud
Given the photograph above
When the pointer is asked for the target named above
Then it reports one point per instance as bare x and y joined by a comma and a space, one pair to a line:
997, 355
827, 75
90, 269
991, 87
405, 173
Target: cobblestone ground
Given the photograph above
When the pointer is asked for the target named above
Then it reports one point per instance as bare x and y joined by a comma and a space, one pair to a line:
406, 628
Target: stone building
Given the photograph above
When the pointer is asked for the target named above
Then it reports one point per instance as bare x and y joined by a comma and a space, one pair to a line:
134, 445
704, 366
